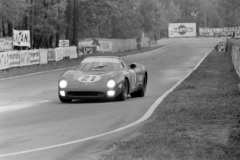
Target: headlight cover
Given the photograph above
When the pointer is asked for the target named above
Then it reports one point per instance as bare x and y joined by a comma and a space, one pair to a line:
63, 83
111, 83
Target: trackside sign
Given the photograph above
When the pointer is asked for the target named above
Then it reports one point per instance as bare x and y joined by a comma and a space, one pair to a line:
21, 38
182, 30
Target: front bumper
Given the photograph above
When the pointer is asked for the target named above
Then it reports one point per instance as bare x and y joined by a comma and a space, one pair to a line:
71, 93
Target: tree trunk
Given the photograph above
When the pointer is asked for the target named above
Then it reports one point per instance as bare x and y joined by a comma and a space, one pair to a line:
10, 29
57, 39
69, 19
75, 22
3, 29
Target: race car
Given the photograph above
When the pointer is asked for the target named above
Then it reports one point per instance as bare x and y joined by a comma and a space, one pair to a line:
103, 77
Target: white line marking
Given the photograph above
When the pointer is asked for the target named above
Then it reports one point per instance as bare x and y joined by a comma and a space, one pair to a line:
145, 117
20, 106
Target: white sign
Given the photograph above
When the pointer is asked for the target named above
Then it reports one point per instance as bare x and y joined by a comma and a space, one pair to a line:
21, 38
220, 32
6, 45
63, 43
29, 57
13, 58
182, 30
59, 54
88, 50
105, 46
4, 60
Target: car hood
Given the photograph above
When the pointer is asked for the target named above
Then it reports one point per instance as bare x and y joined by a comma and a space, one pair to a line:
93, 80
74, 75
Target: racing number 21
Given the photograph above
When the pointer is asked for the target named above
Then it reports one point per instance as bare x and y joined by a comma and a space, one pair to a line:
89, 78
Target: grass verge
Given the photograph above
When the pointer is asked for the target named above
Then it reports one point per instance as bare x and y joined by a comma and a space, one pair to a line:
17, 71
200, 120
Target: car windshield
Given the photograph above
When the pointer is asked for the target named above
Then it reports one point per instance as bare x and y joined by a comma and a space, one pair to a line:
99, 64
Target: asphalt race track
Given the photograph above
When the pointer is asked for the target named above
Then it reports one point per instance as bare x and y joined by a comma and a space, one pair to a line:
33, 121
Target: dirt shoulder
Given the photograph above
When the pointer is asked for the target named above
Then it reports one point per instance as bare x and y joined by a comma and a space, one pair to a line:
199, 120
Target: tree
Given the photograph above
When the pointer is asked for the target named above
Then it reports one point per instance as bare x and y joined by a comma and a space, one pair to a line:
126, 19
48, 22
208, 14
173, 12
12, 13
229, 12
151, 13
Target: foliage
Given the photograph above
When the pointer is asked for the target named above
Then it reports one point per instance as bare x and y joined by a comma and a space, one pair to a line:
51, 20
12, 10
230, 12
48, 21
208, 14
11, 13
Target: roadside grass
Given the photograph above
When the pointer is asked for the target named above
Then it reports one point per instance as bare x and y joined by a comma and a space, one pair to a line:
66, 63
199, 120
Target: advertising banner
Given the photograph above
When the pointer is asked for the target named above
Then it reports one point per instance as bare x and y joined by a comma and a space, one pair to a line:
4, 60
34, 56
84, 43
70, 52
88, 50
51, 55
220, 32
182, 30
66, 52
29, 57
43, 56
13, 58
25, 58
21, 38
105, 46
63, 43
6, 45
59, 54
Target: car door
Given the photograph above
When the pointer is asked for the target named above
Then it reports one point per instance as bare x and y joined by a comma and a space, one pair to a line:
132, 76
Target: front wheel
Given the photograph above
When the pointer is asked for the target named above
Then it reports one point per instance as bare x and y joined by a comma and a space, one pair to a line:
123, 95
64, 100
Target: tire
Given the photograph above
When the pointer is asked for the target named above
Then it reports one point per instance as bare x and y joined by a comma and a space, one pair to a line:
123, 95
64, 100
141, 92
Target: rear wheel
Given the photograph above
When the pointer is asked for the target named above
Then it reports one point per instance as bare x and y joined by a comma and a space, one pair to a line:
142, 91
64, 100
123, 95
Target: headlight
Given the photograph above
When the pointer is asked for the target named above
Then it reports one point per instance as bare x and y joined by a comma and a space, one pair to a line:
63, 83
111, 84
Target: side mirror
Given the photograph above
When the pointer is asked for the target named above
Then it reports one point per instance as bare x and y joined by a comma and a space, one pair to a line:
132, 66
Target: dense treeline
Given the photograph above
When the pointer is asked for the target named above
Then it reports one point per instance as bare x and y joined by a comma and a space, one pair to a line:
51, 20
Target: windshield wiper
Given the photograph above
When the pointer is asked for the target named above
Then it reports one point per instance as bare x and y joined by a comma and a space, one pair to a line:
98, 67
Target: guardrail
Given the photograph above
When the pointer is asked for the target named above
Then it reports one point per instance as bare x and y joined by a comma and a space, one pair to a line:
31, 57
11, 59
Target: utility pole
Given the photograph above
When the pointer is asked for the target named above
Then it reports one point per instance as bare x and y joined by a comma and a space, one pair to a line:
75, 21
28, 25
32, 23
205, 18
